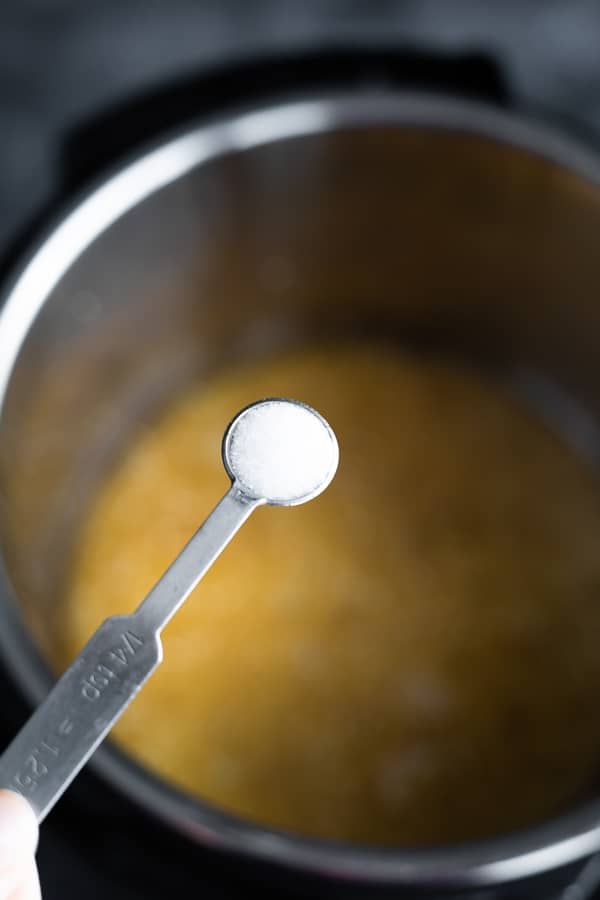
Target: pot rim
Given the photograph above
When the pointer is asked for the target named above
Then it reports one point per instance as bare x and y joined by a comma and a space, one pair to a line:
558, 842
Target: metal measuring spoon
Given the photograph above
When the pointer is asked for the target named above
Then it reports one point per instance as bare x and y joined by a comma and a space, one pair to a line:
277, 452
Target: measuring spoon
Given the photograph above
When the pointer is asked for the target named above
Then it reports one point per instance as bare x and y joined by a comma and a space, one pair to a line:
277, 452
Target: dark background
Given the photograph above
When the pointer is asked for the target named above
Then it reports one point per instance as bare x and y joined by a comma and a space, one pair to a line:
65, 64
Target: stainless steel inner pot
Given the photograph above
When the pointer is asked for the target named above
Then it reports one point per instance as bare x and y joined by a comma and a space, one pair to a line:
386, 212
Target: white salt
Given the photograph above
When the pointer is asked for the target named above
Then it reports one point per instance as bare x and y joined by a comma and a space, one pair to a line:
281, 451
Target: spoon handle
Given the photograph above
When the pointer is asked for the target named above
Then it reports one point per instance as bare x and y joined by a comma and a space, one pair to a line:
87, 700
79, 711
196, 558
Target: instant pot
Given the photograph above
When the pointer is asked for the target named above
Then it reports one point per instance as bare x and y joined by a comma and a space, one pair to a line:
341, 193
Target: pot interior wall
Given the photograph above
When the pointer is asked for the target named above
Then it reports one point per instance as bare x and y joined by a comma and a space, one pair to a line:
414, 233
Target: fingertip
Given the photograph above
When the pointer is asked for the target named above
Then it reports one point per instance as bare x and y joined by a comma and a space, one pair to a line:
29, 889
18, 823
